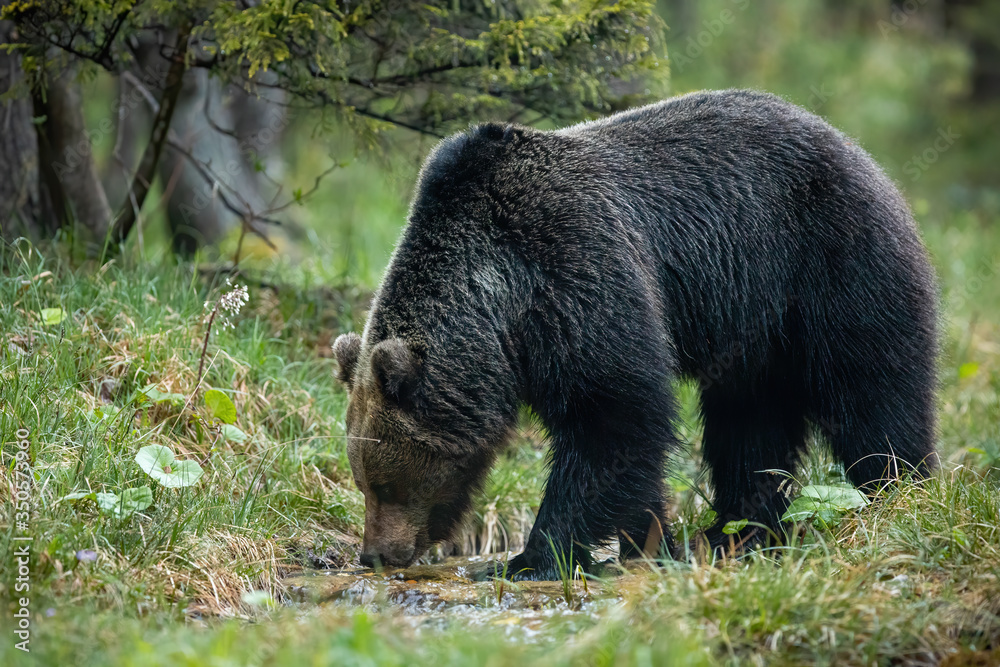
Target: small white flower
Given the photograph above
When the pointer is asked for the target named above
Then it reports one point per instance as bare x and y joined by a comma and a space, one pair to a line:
232, 302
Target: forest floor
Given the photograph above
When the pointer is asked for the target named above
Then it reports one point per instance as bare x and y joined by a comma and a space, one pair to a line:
137, 560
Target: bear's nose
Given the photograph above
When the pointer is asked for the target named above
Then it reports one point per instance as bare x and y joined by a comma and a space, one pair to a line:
400, 556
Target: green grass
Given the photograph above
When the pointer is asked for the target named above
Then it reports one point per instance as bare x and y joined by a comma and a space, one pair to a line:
913, 577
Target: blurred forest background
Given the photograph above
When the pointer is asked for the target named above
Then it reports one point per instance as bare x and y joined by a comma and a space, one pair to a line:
917, 83
287, 139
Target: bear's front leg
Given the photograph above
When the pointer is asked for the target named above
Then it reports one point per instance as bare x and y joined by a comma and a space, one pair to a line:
592, 495
541, 564
562, 535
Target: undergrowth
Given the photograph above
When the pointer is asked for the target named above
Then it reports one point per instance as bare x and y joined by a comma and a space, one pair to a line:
101, 361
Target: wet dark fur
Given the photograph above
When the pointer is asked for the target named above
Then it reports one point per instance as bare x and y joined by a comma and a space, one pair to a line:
726, 236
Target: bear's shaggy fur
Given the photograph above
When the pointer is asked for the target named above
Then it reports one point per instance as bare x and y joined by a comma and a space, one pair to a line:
726, 236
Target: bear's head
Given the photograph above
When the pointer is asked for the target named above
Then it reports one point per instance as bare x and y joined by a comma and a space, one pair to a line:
416, 478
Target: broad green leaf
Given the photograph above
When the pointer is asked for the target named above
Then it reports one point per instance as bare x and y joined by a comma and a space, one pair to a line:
733, 527
805, 509
222, 408
183, 473
129, 502
52, 316
842, 496
136, 500
233, 434
825, 504
159, 463
108, 502
80, 495
154, 457
157, 396
967, 370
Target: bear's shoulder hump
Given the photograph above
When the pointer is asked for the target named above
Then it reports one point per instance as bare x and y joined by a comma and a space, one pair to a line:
470, 155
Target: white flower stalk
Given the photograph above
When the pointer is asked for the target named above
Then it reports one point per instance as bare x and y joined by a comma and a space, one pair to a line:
229, 304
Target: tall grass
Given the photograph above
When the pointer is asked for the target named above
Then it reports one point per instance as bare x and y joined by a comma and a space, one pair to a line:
913, 577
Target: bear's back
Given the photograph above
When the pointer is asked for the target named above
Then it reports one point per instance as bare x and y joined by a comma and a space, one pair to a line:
718, 144
717, 205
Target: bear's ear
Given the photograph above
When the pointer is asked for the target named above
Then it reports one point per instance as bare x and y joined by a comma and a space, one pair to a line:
394, 367
346, 349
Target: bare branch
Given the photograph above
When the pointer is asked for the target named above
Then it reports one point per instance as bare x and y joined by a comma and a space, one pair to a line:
151, 156
309, 192
246, 215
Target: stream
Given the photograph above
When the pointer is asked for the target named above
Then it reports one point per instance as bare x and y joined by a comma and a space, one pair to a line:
454, 590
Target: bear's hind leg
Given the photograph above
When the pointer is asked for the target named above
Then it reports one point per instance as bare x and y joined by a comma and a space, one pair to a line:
881, 435
746, 434
644, 532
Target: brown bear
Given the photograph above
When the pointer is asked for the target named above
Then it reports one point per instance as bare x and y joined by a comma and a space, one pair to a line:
728, 236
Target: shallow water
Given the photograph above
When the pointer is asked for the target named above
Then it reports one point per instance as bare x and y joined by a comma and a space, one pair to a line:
435, 595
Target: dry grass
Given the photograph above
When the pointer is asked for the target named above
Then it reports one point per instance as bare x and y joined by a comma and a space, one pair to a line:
912, 579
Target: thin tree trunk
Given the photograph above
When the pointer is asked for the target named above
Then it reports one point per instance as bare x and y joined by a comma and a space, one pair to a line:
151, 156
21, 210
976, 22
66, 160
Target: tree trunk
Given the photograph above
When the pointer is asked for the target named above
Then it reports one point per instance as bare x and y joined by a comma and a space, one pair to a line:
222, 127
143, 179
976, 22
21, 211
67, 161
